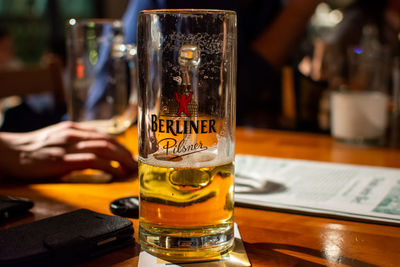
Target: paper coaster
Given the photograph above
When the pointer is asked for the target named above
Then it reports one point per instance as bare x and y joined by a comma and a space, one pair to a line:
237, 257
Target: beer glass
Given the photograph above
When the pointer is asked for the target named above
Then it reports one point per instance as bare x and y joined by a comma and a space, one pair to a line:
101, 86
187, 94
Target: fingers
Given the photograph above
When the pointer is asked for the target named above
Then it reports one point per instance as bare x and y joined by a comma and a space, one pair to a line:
85, 148
60, 126
67, 136
106, 150
74, 135
88, 160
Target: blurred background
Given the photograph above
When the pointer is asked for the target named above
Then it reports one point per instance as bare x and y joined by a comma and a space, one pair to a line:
293, 55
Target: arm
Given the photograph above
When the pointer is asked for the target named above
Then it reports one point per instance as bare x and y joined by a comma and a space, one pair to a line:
131, 16
58, 149
277, 40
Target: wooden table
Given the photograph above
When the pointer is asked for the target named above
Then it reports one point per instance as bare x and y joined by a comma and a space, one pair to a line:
271, 238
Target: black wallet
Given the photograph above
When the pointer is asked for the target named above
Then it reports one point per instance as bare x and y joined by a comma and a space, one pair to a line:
64, 239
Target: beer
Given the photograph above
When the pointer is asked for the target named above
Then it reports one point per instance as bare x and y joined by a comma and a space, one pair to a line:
183, 204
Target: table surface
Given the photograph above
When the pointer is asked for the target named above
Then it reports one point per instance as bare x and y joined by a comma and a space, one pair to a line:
271, 238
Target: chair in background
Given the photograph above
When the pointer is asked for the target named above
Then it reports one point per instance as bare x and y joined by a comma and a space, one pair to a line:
19, 84
33, 80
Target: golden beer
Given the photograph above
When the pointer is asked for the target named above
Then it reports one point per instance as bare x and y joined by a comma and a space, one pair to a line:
183, 205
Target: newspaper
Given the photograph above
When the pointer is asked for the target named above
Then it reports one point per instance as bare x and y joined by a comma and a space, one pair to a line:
328, 189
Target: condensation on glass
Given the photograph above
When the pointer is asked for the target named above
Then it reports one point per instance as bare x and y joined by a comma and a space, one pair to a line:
187, 96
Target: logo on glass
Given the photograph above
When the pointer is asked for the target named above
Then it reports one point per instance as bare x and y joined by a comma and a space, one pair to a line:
179, 123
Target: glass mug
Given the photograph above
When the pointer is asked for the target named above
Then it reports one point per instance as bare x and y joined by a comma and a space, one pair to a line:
101, 86
187, 105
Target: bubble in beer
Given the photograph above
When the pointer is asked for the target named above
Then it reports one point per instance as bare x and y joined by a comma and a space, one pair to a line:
190, 179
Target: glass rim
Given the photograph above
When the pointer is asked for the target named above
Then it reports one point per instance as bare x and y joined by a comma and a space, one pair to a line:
192, 11
98, 21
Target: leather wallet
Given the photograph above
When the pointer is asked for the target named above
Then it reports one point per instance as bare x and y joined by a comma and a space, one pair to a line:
64, 239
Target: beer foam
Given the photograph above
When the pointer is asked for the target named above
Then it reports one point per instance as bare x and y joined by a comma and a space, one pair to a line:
221, 154
199, 159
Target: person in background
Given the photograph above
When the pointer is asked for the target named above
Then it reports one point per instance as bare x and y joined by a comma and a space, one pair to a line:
363, 21
6, 49
268, 32
59, 149
368, 32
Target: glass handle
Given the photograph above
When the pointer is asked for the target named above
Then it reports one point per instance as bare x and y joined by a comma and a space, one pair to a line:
128, 53
131, 55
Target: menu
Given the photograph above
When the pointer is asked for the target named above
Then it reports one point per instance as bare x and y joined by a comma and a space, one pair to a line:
325, 189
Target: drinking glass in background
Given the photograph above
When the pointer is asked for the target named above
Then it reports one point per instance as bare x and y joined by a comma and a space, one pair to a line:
187, 100
101, 85
359, 109
101, 91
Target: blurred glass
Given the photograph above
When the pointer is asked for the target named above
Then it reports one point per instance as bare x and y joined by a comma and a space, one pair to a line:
360, 108
101, 91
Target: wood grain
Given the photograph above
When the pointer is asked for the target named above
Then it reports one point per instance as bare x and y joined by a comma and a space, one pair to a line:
271, 238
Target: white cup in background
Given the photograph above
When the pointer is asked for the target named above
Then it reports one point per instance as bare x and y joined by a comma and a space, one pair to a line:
359, 117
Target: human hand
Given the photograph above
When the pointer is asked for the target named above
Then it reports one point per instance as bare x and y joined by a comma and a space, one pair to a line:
59, 149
